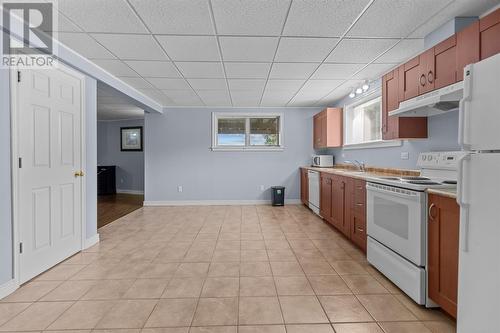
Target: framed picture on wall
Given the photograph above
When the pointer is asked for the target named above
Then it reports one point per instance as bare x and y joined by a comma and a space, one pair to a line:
131, 138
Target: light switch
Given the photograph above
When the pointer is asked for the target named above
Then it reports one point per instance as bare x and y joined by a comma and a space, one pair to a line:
179, 188
405, 155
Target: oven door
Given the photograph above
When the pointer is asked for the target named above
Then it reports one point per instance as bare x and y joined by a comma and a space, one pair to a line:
396, 218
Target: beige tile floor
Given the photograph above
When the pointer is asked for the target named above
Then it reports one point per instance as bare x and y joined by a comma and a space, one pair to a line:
246, 269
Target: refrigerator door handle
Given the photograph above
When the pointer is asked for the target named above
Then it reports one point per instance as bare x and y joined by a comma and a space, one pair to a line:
464, 206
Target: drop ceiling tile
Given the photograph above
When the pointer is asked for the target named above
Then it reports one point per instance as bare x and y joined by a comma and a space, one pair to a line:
403, 51
66, 25
374, 71
336, 71
183, 97
322, 87
214, 97
304, 49
201, 69
246, 97
154, 68
84, 45
248, 48
284, 85
243, 84
327, 18
191, 48
341, 91
157, 95
292, 70
250, 17
132, 47
137, 82
306, 98
360, 50
102, 16
395, 18
175, 17
208, 84
276, 98
247, 70
115, 67
459, 8
169, 84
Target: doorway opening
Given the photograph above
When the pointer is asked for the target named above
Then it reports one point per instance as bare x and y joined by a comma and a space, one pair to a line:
120, 155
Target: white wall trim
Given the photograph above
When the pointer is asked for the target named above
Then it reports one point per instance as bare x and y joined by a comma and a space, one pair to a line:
124, 191
215, 202
8, 288
91, 241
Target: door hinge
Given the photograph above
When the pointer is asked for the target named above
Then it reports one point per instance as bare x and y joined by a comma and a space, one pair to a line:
21, 248
20, 162
18, 76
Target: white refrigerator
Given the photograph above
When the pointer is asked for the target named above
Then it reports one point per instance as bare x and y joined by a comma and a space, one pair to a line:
478, 195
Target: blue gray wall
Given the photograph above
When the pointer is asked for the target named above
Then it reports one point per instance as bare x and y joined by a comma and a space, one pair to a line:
129, 165
177, 154
442, 136
91, 156
5, 186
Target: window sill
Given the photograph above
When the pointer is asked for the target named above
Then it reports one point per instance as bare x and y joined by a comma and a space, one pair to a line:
374, 144
250, 149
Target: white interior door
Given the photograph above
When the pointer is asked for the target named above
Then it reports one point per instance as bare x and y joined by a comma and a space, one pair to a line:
49, 144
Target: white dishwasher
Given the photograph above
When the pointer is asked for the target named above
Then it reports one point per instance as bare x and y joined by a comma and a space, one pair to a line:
313, 190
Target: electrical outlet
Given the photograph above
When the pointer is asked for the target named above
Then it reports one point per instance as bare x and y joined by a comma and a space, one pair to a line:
405, 155
179, 188
262, 187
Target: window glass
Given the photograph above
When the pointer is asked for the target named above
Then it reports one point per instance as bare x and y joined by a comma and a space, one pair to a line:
363, 122
231, 132
264, 131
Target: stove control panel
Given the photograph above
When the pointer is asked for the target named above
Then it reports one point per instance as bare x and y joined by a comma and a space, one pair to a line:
440, 160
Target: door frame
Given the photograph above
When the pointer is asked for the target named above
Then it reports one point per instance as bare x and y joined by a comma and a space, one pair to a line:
14, 112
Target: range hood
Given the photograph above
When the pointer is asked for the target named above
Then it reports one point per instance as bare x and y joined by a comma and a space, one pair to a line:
433, 103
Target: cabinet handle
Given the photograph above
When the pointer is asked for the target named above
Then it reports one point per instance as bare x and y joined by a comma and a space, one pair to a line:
360, 229
360, 204
430, 211
430, 77
422, 80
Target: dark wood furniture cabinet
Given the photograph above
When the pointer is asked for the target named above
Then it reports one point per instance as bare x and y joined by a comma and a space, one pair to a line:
443, 238
468, 49
304, 186
327, 131
489, 28
339, 202
409, 79
358, 213
106, 180
325, 196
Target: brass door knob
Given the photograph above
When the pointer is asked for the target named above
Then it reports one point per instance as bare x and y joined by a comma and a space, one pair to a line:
79, 173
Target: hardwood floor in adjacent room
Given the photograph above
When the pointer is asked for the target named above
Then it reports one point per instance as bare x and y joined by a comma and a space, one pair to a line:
111, 207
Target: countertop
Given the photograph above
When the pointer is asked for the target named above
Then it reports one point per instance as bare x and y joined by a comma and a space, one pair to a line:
448, 192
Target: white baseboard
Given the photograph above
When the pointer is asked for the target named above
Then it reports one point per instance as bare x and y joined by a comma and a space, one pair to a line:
91, 241
216, 202
8, 288
129, 191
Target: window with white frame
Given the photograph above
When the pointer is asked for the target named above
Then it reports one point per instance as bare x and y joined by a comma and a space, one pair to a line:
238, 131
362, 121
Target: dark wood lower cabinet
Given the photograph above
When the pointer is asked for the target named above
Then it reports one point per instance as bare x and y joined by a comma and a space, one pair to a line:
304, 186
443, 237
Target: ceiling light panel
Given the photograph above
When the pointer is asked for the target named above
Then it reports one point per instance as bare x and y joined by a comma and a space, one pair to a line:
326, 18
175, 16
102, 16
132, 47
252, 49
247, 70
304, 49
360, 50
250, 17
154, 68
191, 48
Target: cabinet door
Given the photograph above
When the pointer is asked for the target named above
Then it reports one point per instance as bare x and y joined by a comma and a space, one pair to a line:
409, 78
348, 184
467, 48
323, 123
443, 234
316, 132
445, 63
304, 187
358, 230
325, 204
338, 202
427, 74
489, 27
390, 102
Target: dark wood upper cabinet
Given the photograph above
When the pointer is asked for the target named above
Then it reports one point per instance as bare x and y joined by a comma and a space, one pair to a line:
409, 79
467, 48
489, 28
443, 238
327, 130
444, 71
426, 71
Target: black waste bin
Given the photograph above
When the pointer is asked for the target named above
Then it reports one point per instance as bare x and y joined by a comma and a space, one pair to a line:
278, 195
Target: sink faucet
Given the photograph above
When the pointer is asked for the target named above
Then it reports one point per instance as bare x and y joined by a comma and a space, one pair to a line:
359, 165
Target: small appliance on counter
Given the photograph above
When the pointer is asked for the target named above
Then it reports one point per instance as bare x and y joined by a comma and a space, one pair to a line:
323, 161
